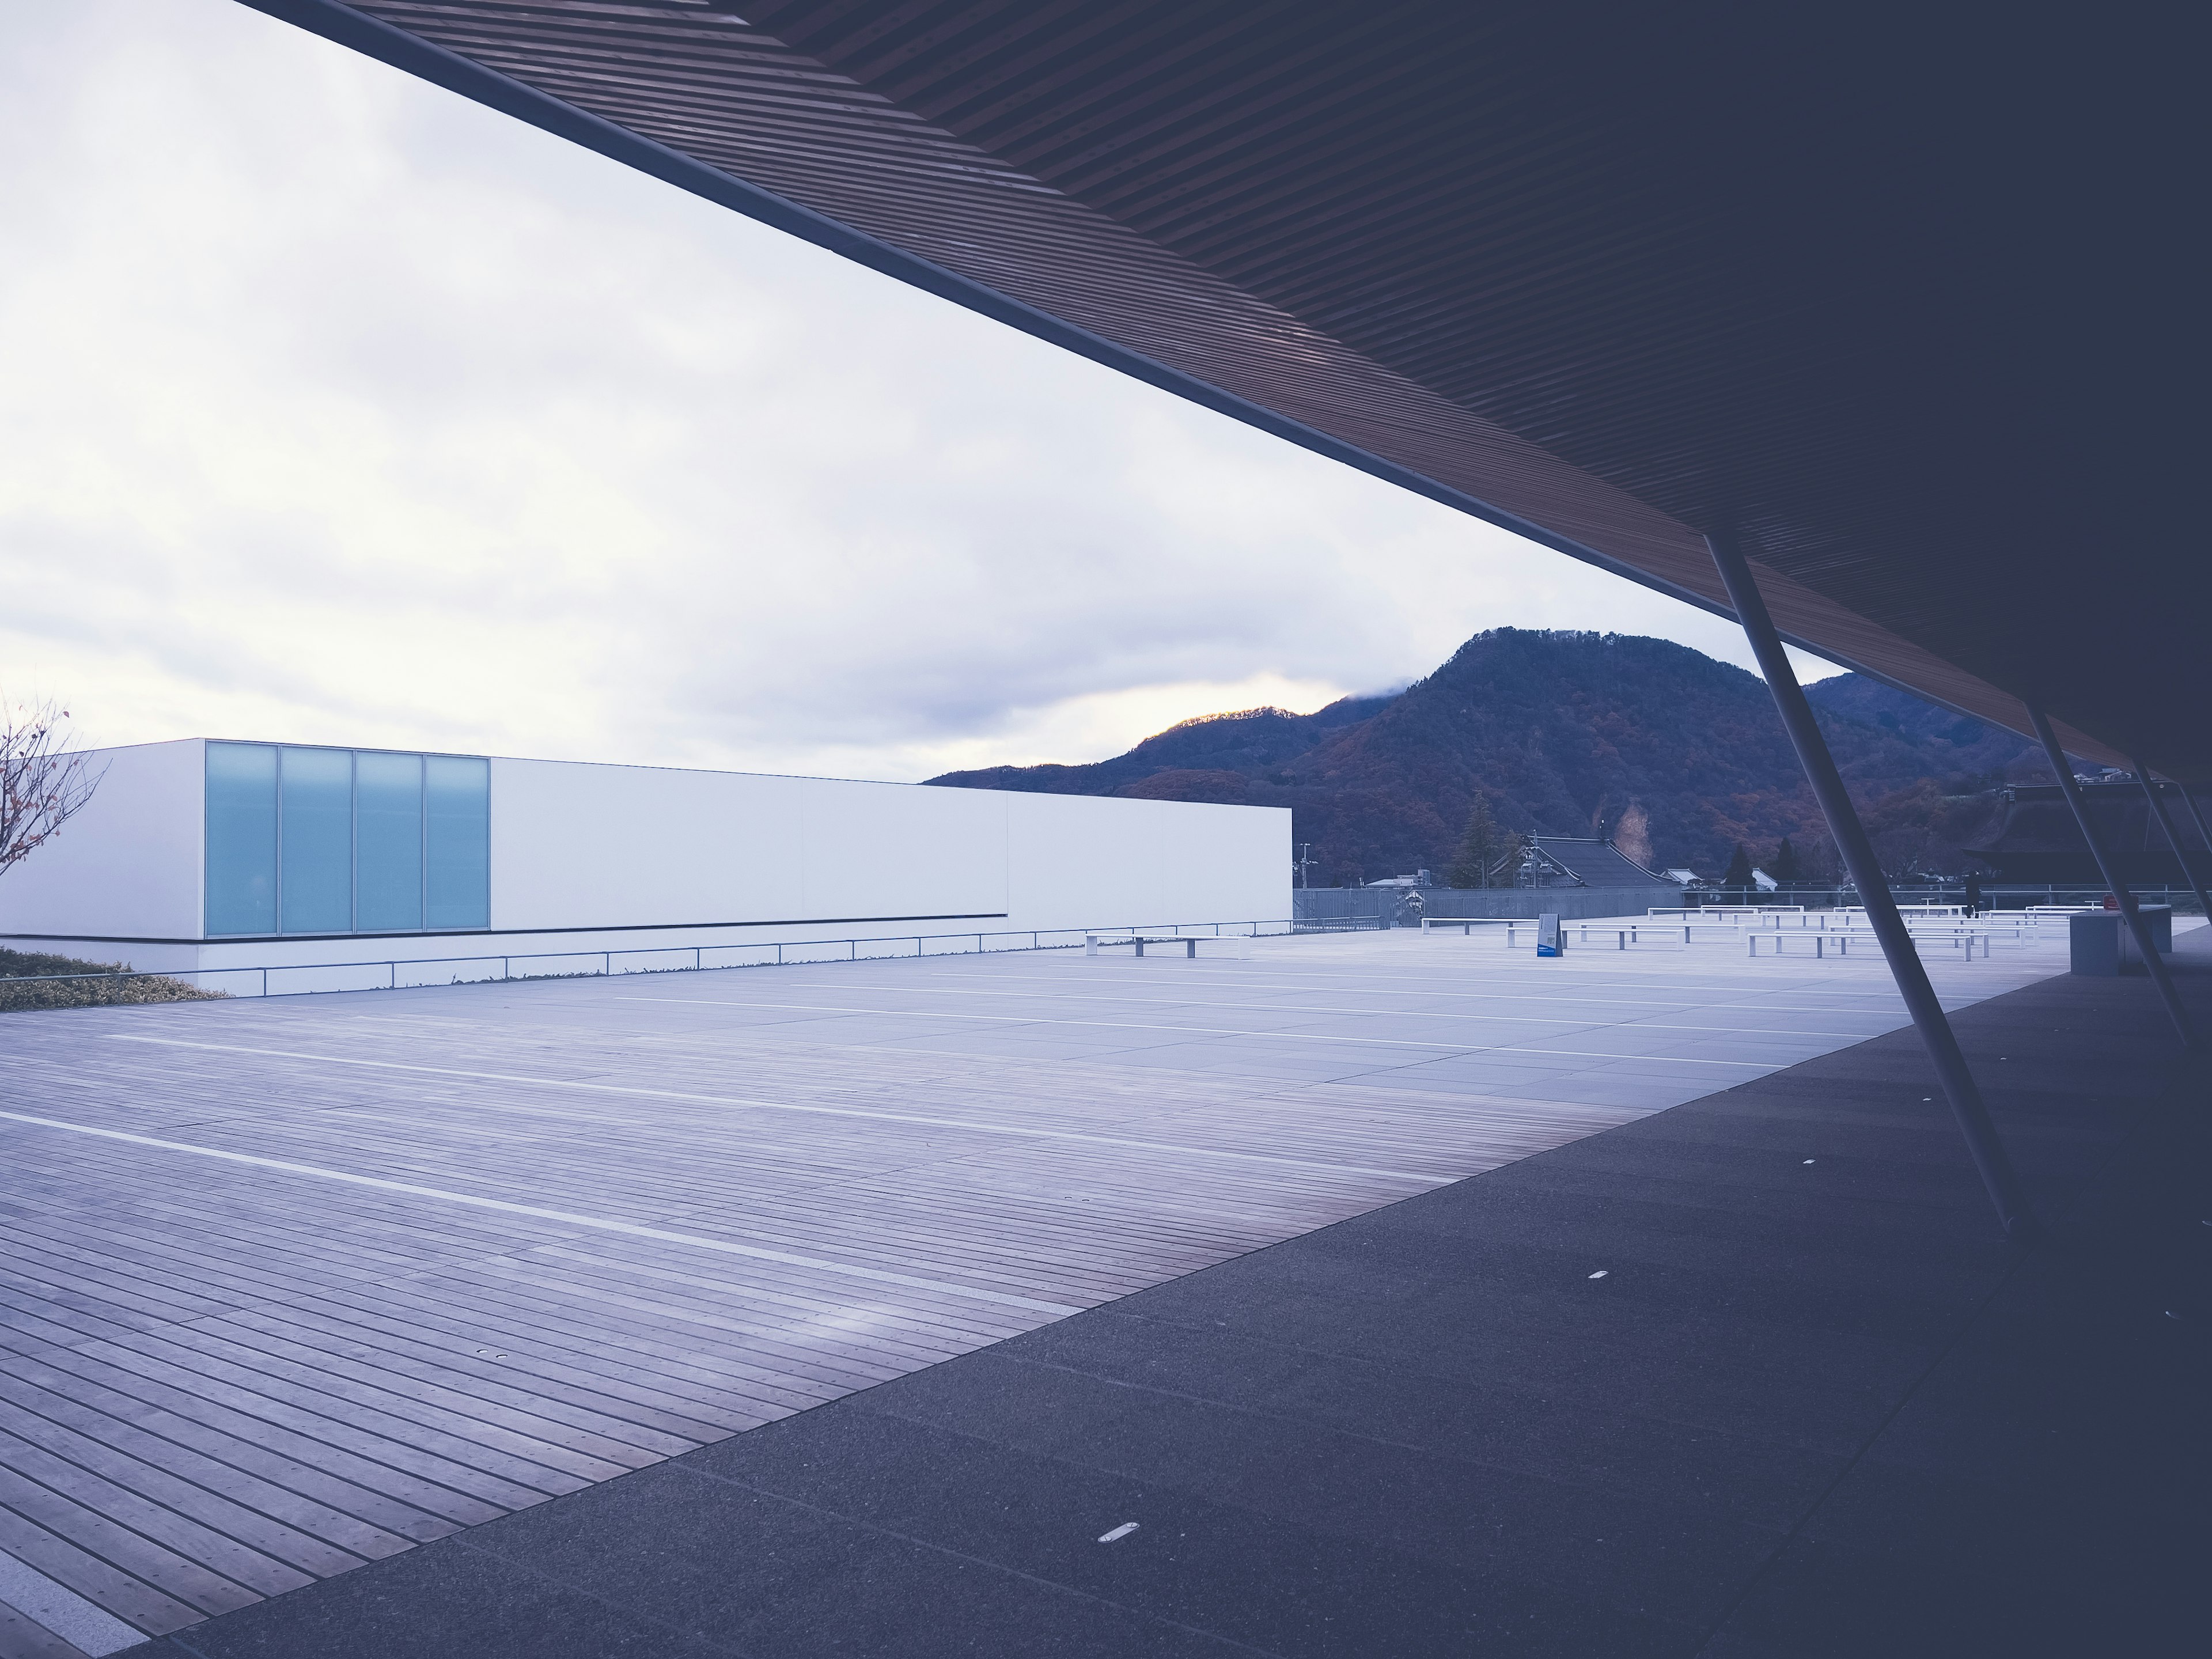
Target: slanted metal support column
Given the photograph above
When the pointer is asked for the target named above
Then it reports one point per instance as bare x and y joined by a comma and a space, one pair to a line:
2145, 944
1905, 964
2180, 854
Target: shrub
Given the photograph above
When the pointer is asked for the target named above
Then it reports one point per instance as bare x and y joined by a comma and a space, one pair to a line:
25, 982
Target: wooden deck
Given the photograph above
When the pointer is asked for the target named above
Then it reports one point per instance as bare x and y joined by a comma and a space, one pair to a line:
289, 1286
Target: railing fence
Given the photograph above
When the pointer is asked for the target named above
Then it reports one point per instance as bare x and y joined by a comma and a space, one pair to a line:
278, 979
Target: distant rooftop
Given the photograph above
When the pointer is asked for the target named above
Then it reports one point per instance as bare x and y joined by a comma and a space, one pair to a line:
1584, 861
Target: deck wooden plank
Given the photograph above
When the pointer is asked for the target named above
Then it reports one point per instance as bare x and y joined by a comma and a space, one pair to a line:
88, 1575
314, 1441
28, 1508
519, 1424
381, 1424
214, 1374
689, 1380
46, 1450
612, 1426
315, 1471
158, 1518
566, 1371
23, 1403
23, 1638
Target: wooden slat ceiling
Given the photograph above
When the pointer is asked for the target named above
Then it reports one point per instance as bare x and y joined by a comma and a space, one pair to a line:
1903, 299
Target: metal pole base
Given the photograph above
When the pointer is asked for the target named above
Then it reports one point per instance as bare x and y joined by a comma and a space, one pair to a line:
2120, 890
2180, 857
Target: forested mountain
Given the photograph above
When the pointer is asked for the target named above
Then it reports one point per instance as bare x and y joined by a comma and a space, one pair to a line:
1675, 755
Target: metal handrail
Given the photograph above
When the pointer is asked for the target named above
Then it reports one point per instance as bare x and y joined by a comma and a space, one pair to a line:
1067, 938
2014, 926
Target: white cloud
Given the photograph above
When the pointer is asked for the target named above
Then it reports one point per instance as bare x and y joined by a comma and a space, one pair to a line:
338, 409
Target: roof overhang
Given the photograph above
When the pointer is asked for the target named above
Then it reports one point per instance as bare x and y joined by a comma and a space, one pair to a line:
1905, 314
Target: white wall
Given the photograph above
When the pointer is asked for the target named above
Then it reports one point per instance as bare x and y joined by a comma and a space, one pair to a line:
577, 845
128, 865
579, 848
1081, 861
583, 846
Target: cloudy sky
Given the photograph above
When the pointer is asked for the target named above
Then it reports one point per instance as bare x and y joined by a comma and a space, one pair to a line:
339, 409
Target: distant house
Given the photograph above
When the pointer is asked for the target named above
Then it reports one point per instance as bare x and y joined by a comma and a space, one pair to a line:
1687, 878
1418, 879
1761, 879
1573, 861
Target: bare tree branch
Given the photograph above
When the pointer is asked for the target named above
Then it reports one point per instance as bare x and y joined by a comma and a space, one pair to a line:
43, 782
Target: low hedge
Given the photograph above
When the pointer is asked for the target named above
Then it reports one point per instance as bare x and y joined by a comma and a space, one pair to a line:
24, 984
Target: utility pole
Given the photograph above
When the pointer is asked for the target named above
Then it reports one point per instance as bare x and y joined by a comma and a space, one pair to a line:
1304, 863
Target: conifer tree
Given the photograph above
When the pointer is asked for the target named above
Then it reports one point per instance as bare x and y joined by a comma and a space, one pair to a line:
1738, 873
1478, 849
1788, 869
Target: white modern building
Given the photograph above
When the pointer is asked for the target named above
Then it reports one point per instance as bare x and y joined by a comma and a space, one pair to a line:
204, 854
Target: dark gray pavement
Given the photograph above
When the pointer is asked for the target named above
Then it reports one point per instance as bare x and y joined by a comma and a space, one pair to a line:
1815, 1406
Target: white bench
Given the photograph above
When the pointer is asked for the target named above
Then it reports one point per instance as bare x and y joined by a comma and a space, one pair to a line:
1093, 942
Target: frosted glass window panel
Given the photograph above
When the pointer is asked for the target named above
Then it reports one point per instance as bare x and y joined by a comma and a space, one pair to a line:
241, 838
314, 853
456, 800
387, 842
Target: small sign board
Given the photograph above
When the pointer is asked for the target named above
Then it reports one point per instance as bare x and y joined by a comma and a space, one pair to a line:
1550, 941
